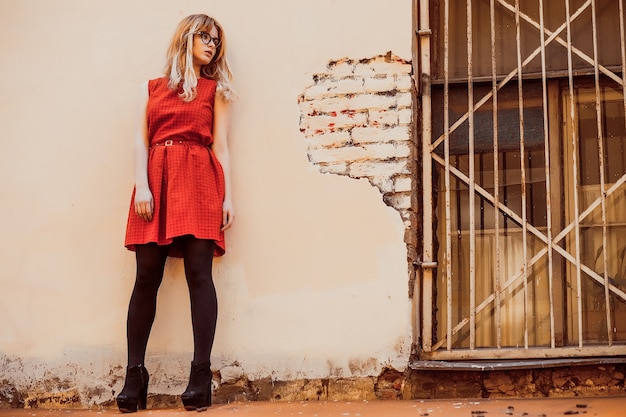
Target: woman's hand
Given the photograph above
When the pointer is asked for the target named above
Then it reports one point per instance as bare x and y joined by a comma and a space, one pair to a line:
144, 203
228, 215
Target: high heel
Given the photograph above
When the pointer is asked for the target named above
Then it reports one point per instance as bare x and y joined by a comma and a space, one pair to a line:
197, 396
135, 392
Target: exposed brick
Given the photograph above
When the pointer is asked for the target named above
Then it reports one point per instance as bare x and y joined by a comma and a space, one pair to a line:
376, 169
404, 82
326, 105
348, 153
335, 87
342, 68
405, 100
402, 184
405, 116
357, 118
372, 101
383, 117
330, 140
373, 134
324, 123
399, 201
380, 84
380, 67
338, 168
383, 183
350, 86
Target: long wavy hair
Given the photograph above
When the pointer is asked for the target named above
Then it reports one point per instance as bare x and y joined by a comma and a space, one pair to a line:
179, 67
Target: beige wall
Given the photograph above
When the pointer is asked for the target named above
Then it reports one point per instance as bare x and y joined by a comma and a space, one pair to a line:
314, 283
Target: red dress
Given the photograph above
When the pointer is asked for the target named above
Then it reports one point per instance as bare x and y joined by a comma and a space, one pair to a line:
185, 177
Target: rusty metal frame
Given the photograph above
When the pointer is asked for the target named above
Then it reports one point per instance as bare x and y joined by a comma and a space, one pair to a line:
443, 349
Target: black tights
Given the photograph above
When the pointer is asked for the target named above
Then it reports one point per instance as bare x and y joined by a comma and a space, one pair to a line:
198, 260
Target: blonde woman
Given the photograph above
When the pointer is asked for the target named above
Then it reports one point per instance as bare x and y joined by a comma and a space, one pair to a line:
182, 200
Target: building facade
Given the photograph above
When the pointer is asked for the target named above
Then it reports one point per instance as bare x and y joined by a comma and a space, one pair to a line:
392, 241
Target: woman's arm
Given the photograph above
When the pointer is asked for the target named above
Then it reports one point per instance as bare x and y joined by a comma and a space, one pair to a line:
221, 115
144, 203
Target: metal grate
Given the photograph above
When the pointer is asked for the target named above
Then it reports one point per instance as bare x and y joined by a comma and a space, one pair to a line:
522, 234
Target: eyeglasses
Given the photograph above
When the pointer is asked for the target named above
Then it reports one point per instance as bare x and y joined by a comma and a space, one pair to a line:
207, 39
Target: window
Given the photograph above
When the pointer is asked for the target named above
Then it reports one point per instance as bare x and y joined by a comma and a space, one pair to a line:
525, 191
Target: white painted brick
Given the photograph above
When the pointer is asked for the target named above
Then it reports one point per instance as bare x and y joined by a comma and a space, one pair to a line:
383, 117
379, 84
404, 100
377, 169
340, 168
325, 105
329, 140
380, 151
334, 87
341, 69
371, 101
402, 150
313, 124
402, 184
382, 67
383, 183
349, 86
317, 91
306, 107
405, 116
370, 134
331, 155
400, 201
326, 123
404, 82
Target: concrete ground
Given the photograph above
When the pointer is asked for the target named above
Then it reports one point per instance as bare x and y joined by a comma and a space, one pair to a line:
605, 407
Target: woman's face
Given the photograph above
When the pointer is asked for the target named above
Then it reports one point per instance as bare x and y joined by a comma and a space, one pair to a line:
204, 48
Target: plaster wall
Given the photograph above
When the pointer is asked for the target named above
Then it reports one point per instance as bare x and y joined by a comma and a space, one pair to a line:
314, 282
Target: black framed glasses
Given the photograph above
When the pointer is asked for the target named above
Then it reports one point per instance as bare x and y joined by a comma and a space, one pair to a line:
207, 39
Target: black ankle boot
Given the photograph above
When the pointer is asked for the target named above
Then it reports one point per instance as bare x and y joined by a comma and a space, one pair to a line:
135, 392
197, 396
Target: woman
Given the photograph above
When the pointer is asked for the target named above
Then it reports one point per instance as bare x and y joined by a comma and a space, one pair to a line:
182, 202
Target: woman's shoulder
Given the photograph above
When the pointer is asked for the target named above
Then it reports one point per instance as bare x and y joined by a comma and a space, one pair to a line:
157, 81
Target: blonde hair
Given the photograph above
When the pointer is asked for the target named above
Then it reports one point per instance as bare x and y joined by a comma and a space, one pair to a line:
179, 67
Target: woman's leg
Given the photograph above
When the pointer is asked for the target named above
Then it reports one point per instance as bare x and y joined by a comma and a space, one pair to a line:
142, 308
198, 255
198, 259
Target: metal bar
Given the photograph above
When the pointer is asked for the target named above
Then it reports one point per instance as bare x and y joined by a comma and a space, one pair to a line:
496, 175
490, 298
520, 98
561, 42
520, 274
548, 239
472, 182
427, 209
446, 123
546, 139
607, 298
592, 206
573, 118
532, 353
622, 32
489, 365
488, 96
552, 36
566, 255
513, 216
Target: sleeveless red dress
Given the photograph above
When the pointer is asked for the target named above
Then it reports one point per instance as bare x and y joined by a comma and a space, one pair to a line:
185, 177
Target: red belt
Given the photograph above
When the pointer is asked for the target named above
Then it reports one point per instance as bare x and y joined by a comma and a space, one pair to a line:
171, 142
